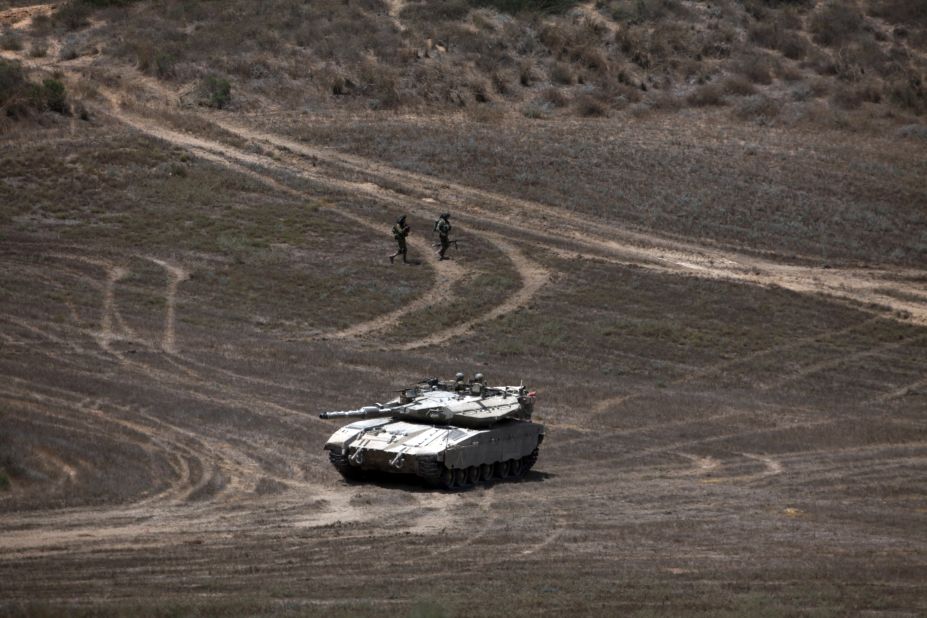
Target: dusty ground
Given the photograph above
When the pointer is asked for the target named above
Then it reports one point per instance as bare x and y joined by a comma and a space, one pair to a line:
735, 410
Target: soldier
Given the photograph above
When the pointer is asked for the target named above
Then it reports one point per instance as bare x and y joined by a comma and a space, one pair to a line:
400, 231
443, 228
460, 382
477, 385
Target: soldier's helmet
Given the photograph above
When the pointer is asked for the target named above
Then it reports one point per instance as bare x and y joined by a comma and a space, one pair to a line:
445, 215
459, 377
401, 220
478, 378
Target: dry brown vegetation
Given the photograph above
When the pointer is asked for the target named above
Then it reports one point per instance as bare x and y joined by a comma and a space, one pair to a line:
708, 259
410, 55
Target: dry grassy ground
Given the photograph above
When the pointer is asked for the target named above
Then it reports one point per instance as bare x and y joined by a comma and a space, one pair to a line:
727, 327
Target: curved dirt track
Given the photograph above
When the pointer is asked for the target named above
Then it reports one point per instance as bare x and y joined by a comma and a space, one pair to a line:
171, 454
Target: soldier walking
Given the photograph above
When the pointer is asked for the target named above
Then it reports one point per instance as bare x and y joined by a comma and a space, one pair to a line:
443, 228
400, 231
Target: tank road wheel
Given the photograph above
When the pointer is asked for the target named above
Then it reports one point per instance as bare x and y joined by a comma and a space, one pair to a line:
502, 469
516, 470
528, 461
460, 478
447, 478
473, 475
343, 466
430, 472
486, 471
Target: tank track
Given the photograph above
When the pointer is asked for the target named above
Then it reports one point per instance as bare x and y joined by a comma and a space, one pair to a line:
341, 464
436, 474
465, 478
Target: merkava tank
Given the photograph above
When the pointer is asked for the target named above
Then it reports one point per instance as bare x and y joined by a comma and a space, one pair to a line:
450, 434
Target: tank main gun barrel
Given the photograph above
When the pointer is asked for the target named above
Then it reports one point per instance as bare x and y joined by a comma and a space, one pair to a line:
365, 412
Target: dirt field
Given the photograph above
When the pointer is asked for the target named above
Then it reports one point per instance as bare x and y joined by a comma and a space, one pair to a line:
727, 329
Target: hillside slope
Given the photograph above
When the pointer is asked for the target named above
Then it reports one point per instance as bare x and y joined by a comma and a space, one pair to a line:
833, 63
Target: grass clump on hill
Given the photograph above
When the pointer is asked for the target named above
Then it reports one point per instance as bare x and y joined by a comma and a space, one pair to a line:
19, 96
217, 92
4, 480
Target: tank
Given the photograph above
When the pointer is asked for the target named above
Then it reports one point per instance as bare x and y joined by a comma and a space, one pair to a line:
450, 434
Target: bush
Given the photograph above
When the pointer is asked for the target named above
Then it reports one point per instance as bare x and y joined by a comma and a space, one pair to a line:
774, 36
639, 11
12, 80
39, 49
757, 107
562, 73
75, 14
19, 96
703, 96
590, 107
907, 12
913, 131
837, 22
519, 6
738, 85
756, 68
555, 97
156, 62
4, 480
54, 96
908, 93
11, 41
217, 91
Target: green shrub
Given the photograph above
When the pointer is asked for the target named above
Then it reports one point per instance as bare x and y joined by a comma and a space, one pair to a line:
19, 96
4, 480
54, 96
217, 91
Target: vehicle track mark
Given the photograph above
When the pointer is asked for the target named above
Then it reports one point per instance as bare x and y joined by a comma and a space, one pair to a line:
176, 275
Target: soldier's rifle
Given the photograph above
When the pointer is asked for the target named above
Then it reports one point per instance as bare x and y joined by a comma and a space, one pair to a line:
450, 242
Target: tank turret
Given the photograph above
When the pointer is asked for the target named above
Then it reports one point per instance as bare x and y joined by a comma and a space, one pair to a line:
452, 433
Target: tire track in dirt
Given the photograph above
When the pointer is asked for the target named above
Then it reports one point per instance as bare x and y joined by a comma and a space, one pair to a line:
532, 275
533, 278
842, 359
171, 510
901, 391
609, 404
638, 248
194, 382
176, 275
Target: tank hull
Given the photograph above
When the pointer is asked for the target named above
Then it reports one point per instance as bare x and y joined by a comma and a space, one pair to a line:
442, 455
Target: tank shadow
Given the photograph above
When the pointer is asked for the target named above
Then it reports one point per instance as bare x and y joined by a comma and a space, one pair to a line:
413, 484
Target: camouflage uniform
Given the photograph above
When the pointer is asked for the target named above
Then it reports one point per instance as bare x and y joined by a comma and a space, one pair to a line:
443, 228
400, 231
